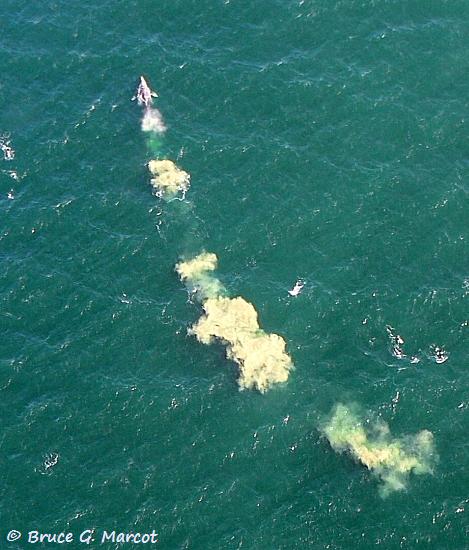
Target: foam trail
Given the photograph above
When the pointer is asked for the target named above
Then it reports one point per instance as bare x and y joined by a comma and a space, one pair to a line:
391, 459
7, 149
261, 357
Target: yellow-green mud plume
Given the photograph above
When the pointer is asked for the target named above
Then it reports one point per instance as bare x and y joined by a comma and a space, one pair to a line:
197, 276
261, 357
168, 180
392, 459
196, 268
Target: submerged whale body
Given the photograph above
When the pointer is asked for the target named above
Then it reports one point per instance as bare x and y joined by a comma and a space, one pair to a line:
144, 94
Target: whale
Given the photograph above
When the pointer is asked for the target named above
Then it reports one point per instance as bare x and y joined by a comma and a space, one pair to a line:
297, 288
144, 94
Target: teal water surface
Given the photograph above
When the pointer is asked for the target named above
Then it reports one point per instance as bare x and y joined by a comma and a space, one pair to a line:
326, 140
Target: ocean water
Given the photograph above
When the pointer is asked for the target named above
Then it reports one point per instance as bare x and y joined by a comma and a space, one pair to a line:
327, 141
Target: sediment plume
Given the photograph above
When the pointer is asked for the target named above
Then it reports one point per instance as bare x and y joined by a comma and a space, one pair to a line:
196, 275
261, 357
168, 180
391, 459
197, 268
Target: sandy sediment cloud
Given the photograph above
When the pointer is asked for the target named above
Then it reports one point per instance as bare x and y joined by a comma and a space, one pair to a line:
261, 357
168, 180
391, 459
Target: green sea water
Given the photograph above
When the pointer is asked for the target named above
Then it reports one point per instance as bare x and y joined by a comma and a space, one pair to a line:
327, 141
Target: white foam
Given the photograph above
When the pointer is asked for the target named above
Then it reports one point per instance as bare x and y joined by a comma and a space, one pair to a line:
152, 121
